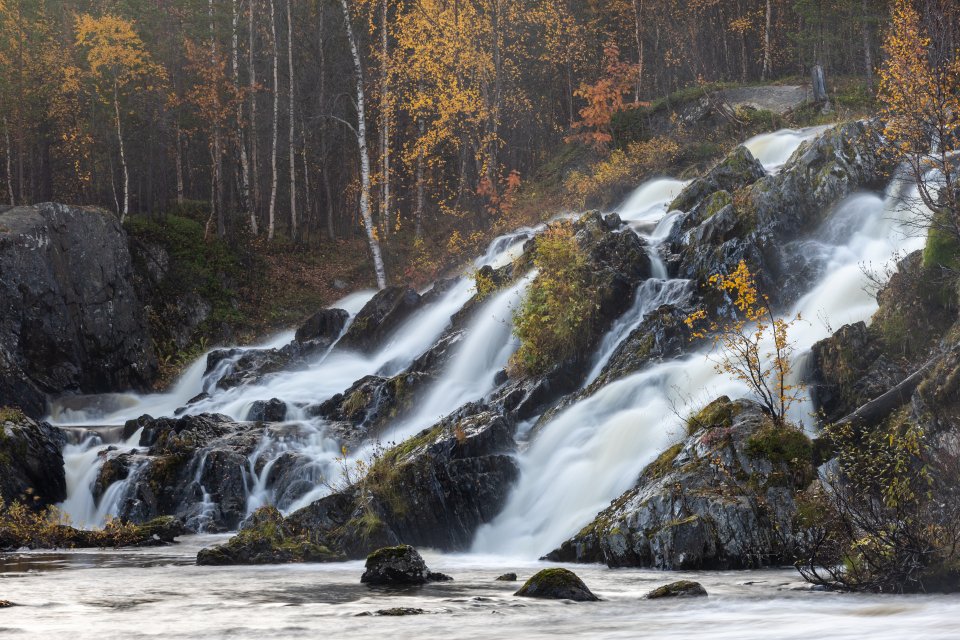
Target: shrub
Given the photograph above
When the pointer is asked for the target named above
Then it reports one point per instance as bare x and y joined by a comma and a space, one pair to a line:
622, 169
559, 307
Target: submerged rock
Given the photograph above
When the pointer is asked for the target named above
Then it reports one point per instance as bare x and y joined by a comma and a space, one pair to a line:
395, 612
678, 589
556, 584
395, 566
70, 320
6, 604
31, 460
724, 498
507, 577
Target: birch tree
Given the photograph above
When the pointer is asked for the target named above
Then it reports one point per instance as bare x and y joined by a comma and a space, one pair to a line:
271, 220
360, 131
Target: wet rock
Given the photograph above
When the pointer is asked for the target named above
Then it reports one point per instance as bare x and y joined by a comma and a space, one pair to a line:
724, 498
70, 319
395, 566
322, 328
395, 612
679, 589
557, 584
6, 604
507, 577
435, 576
42, 535
737, 170
267, 539
272, 410
31, 460
239, 367
379, 318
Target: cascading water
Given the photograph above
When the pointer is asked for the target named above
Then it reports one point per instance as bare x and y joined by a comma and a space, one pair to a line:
586, 455
596, 449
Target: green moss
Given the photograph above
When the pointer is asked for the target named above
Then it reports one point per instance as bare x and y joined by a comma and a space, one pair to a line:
784, 445
663, 464
942, 248
715, 202
12, 414
355, 403
718, 414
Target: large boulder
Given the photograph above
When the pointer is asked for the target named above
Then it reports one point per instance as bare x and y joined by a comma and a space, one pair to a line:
31, 460
737, 170
678, 589
395, 566
70, 319
556, 584
721, 499
380, 317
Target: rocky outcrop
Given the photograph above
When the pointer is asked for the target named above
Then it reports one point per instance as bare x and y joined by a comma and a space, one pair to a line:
380, 317
267, 539
722, 498
434, 490
193, 467
70, 319
751, 221
734, 172
556, 584
31, 460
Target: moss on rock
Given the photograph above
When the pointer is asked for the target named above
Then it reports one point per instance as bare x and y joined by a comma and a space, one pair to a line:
556, 584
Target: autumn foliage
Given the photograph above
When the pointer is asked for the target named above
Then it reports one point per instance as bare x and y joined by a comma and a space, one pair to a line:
754, 344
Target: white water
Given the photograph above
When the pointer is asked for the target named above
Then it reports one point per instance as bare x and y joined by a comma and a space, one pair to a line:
589, 453
595, 449
774, 149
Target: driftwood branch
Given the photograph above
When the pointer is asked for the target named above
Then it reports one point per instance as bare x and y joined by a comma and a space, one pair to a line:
882, 406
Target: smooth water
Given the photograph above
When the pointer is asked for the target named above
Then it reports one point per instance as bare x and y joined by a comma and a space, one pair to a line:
160, 593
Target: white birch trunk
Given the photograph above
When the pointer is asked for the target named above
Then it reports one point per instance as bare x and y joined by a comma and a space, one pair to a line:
361, 133
271, 220
123, 156
293, 153
241, 138
9, 149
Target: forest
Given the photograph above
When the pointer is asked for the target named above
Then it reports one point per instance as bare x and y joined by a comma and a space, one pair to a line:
414, 124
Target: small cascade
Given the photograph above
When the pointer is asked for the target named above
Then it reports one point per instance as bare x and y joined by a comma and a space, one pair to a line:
774, 149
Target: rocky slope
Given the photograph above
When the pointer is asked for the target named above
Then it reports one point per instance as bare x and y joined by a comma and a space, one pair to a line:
70, 320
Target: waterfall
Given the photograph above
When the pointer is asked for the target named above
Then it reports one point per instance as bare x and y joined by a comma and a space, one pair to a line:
595, 450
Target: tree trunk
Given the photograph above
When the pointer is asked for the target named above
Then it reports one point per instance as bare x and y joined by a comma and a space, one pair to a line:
6, 137
178, 159
123, 155
254, 154
293, 152
385, 120
241, 138
421, 127
271, 220
307, 207
361, 134
879, 408
867, 55
768, 25
638, 36
216, 151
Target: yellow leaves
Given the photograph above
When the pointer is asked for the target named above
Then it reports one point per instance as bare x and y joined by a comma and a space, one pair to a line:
114, 50
754, 346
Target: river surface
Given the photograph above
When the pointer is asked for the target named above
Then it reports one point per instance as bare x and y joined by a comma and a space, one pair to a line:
160, 593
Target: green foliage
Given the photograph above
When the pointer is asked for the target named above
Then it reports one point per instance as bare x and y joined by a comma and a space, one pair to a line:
718, 414
11, 414
664, 463
891, 519
786, 445
942, 249
558, 310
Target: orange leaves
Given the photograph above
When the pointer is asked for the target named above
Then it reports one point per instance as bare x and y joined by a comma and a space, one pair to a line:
605, 98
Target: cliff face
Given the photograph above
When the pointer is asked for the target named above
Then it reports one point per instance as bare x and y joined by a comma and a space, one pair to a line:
69, 317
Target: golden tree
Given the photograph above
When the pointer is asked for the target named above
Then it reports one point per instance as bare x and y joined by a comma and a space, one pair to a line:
117, 63
920, 92
755, 347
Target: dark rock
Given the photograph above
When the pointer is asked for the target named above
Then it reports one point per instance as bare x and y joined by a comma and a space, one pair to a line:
557, 584
273, 410
31, 460
395, 566
380, 317
158, 532
395, 612
70, 319
724, 498
507, 577
679, 589
434, 576
6, 604
267, 539
323, 327
737, 170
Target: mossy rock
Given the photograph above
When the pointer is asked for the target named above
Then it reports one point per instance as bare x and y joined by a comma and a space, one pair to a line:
678, 589
557, 584
395, 566
718, 414
268, 540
